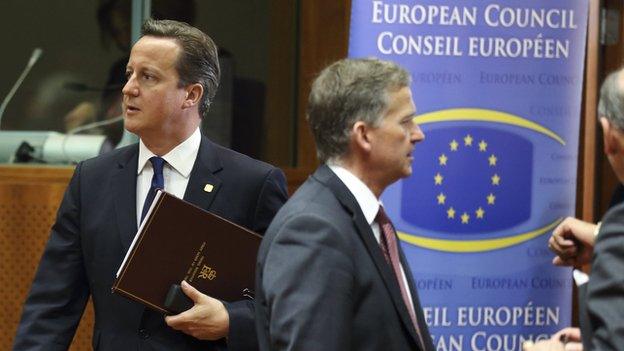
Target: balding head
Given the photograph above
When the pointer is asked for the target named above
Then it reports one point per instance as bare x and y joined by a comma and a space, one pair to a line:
611, 105
611, 113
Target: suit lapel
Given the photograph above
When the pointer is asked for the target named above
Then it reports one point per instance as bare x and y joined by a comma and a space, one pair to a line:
123, 184
203, 184
342, 193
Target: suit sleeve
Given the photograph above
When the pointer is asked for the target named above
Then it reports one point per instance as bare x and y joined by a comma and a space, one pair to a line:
60, 290
307, 281
272, 196
605, 289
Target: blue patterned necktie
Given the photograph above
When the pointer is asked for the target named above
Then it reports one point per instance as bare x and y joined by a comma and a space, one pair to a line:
158, 182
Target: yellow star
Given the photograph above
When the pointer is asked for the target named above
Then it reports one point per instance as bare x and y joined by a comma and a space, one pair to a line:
495, 179
492, 160
441, 199
454, 145
482, 145
465, 218
443, 160
490, 199
468, 140
450, 213
438, 179
479, 212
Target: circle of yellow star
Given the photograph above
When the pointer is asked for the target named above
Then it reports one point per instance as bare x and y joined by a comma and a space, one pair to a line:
450, 213
479, 212
495, 179
465, 218
438, 179
441, 199
482, 145
454, 145
490, 199
492, 159
443, 160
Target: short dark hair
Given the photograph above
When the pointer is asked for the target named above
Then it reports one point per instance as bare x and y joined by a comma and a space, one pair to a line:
198, 61
348, 91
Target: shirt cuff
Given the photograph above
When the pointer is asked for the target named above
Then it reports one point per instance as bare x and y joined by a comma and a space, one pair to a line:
597, 230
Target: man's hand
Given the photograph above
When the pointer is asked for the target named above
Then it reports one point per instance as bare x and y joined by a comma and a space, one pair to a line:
573, 242
571, 338
567, 339
207, 320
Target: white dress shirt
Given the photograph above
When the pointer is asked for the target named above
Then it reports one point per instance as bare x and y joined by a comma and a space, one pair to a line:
369, 205
176, 172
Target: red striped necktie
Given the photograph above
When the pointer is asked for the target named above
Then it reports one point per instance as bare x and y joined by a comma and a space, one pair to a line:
389, 246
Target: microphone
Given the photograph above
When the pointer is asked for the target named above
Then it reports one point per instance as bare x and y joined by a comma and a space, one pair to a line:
94, 125
34, 57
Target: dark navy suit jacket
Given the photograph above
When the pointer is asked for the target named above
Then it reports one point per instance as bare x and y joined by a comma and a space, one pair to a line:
94, 227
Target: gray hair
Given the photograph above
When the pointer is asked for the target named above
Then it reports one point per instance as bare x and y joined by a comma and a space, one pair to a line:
198, 61
611, 104
348, 91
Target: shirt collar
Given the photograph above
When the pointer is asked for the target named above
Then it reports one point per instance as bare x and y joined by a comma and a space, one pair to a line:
181, 158
363, 195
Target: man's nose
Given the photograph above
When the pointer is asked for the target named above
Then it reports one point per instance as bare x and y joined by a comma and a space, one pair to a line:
417, 134
130, 87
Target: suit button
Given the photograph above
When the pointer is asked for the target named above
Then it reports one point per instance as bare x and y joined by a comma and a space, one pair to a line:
144, 334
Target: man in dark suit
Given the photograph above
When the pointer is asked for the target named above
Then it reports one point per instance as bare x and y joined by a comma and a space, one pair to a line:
331, 274
173, 74
576, 243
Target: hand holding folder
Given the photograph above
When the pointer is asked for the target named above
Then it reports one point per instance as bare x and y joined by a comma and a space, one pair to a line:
179, 241
207, 320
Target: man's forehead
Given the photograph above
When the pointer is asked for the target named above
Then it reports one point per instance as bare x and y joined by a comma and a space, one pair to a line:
399, 101
156, 40
402, 94
156, 50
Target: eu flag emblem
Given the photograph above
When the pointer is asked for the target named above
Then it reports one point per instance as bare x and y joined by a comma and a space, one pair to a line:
469, 180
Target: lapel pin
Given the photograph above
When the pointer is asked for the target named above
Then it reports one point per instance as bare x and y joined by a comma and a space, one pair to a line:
208, 188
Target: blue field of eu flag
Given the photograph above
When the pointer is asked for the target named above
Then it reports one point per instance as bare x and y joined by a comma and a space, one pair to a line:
469, 180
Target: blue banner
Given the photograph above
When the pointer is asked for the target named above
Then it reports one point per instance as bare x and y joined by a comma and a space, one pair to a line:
497, 86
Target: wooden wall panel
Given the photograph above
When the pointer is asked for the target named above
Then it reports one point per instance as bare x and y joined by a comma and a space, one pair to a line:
29, 199
586, 194
324, 36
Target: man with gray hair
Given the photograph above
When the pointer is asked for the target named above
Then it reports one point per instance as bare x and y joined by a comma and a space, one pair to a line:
577, 243
331, 274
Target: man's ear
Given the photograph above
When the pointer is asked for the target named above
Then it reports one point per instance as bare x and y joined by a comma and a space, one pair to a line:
611, 142
194, 93
361, 137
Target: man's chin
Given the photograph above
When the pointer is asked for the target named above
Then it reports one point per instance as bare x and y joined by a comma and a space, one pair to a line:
131, 127
407, 172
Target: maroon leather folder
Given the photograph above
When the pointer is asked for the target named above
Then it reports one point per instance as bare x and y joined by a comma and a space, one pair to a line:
179, 240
